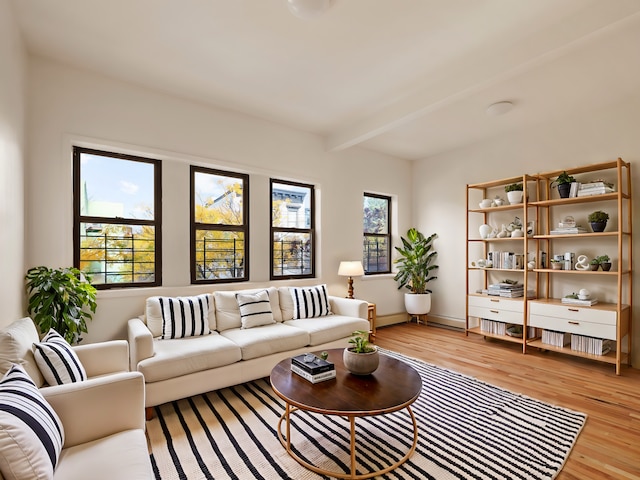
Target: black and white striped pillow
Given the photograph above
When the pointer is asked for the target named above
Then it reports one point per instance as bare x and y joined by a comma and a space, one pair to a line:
255, 309
31, 433
57, 361
185, 316
310, 302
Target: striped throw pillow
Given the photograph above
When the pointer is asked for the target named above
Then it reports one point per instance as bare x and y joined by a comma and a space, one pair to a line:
310, 302
185, 316
31, 434
255, 309
57, 361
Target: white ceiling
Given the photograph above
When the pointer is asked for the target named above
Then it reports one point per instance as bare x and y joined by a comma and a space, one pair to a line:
410, 78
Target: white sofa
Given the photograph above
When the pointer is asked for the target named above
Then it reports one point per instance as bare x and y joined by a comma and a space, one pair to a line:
102, 417
230, 355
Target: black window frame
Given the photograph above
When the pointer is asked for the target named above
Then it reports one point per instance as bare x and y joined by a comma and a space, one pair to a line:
311, 231
156, 223
195, 226
386, 235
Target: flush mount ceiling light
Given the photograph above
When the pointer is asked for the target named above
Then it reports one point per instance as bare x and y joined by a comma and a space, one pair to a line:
499, 108
309, 8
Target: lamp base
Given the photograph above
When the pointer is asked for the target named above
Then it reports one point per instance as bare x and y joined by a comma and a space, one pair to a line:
350, 289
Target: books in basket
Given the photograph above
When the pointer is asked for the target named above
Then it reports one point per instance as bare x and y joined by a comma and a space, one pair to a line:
312, 364
313, 378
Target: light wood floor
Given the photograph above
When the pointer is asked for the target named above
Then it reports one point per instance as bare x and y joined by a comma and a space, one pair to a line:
609, 445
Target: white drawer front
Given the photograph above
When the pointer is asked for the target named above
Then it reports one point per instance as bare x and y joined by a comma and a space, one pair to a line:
497, 303
496, 314
571, 312
589, 329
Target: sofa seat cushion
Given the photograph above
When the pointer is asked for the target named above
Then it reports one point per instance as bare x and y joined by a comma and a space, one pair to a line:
327, 329
182, 356
122, 455
265, 340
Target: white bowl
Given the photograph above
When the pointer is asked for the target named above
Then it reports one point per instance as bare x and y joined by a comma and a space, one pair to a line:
486, 203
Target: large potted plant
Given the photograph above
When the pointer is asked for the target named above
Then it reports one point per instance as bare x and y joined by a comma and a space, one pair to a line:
415, 270
60, 298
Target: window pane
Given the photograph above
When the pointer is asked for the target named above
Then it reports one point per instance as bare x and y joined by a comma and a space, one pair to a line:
116, 188
218, 199
376, 251
291, 254
291, 206
219, 254
115, 253
376, 215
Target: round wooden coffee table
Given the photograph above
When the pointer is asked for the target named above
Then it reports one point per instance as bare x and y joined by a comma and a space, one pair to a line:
392, 387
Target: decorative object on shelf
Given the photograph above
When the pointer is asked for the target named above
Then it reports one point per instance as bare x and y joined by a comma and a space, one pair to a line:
351, 268
485, 231
503, 233
563, 183
594, 264
362, 358
415, 268
498, 201
556, 264
598, 220
531, 228
582, 263
514, 193
517, 233
584, 294
62, 299
605, 262
486, 203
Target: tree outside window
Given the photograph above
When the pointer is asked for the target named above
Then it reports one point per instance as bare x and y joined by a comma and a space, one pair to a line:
377, 233
219, 226
292, 230
117, 212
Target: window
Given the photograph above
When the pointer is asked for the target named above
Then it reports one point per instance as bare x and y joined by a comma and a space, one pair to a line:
219, 226
292, 230
117, 218
377, 233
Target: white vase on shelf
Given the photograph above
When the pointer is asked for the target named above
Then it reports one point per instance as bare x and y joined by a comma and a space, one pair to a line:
485, 230
514, 196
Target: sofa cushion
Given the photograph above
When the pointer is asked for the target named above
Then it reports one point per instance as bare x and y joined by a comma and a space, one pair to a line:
16, 343
123, 455
228, 311
31, 434
310, 302
57, 361
268, 339
255, 309
329, 328
182, 356
178, 317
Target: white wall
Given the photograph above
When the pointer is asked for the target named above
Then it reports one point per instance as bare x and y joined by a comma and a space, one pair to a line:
12, 119
68, 105
440, 205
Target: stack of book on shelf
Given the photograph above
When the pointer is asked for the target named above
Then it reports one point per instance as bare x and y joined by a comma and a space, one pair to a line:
556, 339
594, 188
582, 303
508, 290
594, 346
506, 260
313, 368
568, 228
490, 326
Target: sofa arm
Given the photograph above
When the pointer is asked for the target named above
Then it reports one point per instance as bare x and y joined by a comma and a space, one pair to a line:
104, 357
98, 407
349, 307
140, 342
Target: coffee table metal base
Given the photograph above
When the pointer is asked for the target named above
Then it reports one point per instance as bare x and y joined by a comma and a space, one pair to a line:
286, 443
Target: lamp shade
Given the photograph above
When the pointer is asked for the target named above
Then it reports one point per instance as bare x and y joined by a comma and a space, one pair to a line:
351, 269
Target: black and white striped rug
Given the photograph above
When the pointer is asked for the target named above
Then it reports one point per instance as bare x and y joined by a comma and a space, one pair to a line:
467, 430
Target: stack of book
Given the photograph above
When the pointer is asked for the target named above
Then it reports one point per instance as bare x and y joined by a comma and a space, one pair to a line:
506, 260
595, 346
594, 188
562, 229
507, 290
490, 326
313, 368
582, 303
556, 339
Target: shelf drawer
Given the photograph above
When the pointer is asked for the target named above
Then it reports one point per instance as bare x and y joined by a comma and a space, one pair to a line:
574, 313
589, 329
496, 314
497, 303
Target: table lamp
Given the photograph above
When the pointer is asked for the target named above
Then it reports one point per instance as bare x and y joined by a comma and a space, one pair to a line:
350, 269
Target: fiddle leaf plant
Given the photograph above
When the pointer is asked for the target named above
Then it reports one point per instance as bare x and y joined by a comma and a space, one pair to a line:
360, 342
415, 264
60, 298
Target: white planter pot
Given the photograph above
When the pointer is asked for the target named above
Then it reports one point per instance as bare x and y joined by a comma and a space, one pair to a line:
417, 304
514, 196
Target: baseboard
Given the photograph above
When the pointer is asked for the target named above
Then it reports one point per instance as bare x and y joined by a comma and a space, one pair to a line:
393, 319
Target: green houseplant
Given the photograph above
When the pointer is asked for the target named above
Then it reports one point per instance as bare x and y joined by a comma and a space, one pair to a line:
514, 193
598, 220
415, 270
361, 358
61, 299
563, 183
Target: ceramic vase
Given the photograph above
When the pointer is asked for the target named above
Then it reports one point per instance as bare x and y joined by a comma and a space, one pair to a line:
515, 196
485, 230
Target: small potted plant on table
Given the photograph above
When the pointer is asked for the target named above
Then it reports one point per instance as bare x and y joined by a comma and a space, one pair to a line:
362, 357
